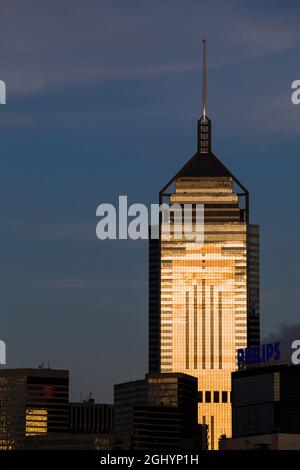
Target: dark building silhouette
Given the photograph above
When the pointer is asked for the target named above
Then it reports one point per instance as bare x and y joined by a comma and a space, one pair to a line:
64, 441
90, 425
126, 396
159, 412
265, 408
33, 403
266, 400
90, 417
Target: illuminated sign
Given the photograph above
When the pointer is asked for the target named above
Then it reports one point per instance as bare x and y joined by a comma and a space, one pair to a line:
48, 391
258, 354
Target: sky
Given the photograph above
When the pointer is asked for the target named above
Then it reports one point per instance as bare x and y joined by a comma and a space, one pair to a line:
103, 97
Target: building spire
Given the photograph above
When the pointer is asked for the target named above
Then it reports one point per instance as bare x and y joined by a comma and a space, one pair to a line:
204, 79
204, 124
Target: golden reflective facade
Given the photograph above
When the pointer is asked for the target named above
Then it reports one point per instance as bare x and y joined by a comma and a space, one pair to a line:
204, 298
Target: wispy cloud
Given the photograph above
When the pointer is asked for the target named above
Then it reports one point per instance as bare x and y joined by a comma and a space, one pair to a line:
285, 334
43, 48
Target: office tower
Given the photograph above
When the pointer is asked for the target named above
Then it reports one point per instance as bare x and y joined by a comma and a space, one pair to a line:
265, 408
204, 294
90, 417
266, 400
88, 424
126, 395
159, 413
34, 402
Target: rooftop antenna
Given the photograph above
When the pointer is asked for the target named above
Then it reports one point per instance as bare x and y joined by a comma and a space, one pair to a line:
204, 124
204, 80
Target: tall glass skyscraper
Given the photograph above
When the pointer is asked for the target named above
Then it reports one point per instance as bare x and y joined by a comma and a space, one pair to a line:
204, 297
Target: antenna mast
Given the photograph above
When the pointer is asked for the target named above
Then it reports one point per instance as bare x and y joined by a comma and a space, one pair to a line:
204, 80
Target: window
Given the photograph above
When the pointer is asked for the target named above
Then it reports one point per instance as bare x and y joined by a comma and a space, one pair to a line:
224, 397
216, 397
208, 397
200, 397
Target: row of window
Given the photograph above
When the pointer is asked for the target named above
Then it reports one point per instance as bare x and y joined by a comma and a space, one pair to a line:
214, 397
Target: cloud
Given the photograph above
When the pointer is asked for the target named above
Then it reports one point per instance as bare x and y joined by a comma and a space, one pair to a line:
47, 45
286, 334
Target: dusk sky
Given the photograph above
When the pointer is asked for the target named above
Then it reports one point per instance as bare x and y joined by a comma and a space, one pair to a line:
103, 99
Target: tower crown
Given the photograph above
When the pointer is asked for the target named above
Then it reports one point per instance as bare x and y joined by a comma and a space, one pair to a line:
204, 135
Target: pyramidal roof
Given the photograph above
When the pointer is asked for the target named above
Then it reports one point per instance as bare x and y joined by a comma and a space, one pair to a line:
204, 163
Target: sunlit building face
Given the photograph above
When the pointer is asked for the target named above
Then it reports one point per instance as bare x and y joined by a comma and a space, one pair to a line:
36, 421
204, 296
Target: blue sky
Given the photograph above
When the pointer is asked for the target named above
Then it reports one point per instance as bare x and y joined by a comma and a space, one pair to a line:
102, 100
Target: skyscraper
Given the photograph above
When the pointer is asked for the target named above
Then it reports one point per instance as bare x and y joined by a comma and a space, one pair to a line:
204, 296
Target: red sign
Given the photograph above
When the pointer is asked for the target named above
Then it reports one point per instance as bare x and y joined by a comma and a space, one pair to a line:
48, 391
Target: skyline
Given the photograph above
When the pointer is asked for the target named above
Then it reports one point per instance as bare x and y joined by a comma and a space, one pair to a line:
125, 102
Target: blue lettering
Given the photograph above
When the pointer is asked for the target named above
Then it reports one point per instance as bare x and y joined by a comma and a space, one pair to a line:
240, 356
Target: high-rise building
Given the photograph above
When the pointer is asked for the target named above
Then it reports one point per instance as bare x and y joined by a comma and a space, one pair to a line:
204, 295
126, 395
159, 413
33, 402
88, 423
266, 400
265, 408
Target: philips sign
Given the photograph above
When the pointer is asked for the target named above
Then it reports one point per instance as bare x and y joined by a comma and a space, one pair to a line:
269, 352
258, 354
